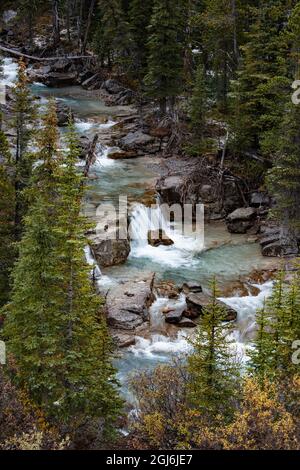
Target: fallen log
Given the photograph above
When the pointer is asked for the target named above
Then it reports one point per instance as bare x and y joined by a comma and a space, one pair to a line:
41, 59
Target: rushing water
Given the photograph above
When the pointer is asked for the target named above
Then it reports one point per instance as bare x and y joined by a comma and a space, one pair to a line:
226, 256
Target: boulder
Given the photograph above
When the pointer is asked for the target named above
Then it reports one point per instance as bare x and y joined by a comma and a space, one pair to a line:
123, 340
169, 189
51, 78
197, 302
191, 286
122, 155
84, 144
259, 199
113, 86
127, 307
241, 220
275, 241
64, 113
159, 237
137, 141
173, 316
93, 83
186, 323
108, 249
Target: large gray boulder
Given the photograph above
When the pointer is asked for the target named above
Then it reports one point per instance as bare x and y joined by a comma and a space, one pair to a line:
107, 247
169, 189
241, 220
197, 302
127, 306
64, 114
275, 241
139, 142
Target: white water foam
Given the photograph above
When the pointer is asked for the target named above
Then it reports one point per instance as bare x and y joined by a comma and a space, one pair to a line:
10, 72
84, 126
157, 318
102, 159
181, 253
246, 307
160, 346
108, 124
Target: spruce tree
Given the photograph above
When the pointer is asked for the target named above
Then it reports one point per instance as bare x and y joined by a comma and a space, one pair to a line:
111, 37
212, 367
165, 60
24, 118
278, 326
198, 106
54, 325
7, 205
262, 83
283, 179
139, 17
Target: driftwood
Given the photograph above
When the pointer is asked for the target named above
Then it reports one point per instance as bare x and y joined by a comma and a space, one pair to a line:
42, 59
90, 156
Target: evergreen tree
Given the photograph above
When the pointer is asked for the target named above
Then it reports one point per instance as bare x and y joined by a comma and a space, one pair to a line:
198, 106
139, 17
213, 372
54, 326
7, 204
278, 326
262, 83
165, 61
220, 42
24, 118
284, 178
111, 38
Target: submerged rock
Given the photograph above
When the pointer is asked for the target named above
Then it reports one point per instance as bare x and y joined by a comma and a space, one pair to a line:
127, 307
197, 302
159, 237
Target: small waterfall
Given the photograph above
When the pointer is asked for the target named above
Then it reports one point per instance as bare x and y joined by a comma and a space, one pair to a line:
180, 253
10, 72
157, 319
247, 307
95, 271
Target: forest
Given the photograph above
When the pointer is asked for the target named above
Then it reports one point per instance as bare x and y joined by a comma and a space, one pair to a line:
150, 225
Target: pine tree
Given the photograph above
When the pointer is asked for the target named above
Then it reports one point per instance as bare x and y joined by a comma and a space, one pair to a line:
139, 17
284, 178
165, 61
24, 118
198, 106
7, 204
111, 38
220, 41
278, 326
213, 372
262, 84
54, 326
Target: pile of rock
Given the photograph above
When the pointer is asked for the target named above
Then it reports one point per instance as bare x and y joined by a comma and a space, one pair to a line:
128, 306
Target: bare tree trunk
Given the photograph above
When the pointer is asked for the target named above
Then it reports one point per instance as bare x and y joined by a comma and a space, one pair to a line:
90, 157
79, 24
88, 25
68, 19
55, 20
235, 42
